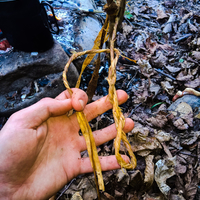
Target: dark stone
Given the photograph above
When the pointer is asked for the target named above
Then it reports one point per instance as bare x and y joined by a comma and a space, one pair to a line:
192, 100
18, 69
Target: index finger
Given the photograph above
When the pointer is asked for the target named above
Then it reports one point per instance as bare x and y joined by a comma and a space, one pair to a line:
98, 107
79, 98
102, 105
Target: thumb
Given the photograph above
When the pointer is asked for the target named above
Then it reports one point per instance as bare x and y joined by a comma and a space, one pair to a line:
38, 113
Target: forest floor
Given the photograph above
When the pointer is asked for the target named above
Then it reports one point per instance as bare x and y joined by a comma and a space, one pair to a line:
163, 37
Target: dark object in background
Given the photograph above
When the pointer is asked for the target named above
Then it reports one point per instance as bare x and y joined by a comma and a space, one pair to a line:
1, 35
25, 25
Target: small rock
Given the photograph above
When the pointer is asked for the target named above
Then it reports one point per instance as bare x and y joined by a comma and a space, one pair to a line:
191, 100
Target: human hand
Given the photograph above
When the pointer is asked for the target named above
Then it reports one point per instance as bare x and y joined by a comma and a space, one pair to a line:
40, 145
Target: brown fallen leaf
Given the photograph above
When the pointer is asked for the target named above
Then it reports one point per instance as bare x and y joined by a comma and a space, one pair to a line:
183, 77
186, 17
173, 69
196, 55
180, 169
76, 196
167, 87
188, 118
190, 139
127, 29
107, 196
194, 83
149, 171
158, 121
159, 60
161, 15
162, 136
164, 170
151, 46
165, 47
191, 183
141, 143
179, 124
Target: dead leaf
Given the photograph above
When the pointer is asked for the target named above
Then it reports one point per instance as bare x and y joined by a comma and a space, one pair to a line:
153, 197
151, 46
168, 87
168, 26
149, 171
159, 60
122, 176
76, 196
118, 194
158, 121
194, 83
165, 47
196, 55
145, 67
191, 183
173, 69
140, 134
164, 170
186, 17
139, 41
188, 118
162, 136
108, 196
179, 124
136, 180
177, 197
182, 77
161, 15
154, 88
127, 29
191, 139
141, 143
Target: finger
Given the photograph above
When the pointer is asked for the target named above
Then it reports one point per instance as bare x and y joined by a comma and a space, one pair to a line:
102, 105
106, 134
98, 107
64, 95
36, 114
107, 163
79, 98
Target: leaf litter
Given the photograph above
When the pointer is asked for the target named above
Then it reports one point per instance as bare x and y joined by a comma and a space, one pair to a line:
164, 42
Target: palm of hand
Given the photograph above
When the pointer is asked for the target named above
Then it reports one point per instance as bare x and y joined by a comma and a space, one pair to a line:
43, 152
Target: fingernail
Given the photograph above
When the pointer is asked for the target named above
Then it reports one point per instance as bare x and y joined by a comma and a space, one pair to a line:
82, 103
